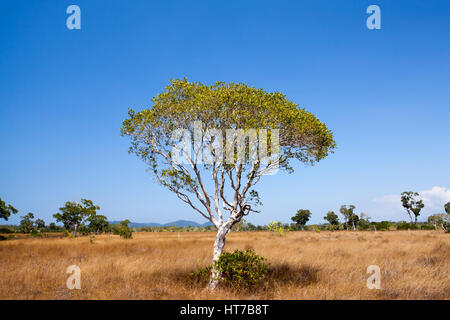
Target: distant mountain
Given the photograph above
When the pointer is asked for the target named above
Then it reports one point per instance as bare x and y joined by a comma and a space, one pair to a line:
178, 223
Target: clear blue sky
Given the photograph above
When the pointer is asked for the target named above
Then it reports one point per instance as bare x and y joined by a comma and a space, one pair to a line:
64, 94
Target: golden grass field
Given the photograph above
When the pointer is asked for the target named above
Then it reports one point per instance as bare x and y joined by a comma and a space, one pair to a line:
304, 265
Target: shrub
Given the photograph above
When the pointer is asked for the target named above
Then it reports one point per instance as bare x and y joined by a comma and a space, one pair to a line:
124, 230
241, 269
276, 228
403, 225
5, 230
35, 234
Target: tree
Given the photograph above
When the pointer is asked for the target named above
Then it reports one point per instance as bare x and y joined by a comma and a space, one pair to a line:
6, 210
301, 218
73, 214
412, 204
27, 224
124, 230
40, 224
332, 219
447, 207
364, 220
181, 138
445, 222
238, 226
52, 227
435, 220
98, 223
349, 216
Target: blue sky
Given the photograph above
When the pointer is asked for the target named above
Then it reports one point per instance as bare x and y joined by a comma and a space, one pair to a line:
384, 93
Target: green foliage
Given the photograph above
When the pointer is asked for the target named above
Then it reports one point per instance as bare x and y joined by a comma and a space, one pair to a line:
442, 220
98, 223
447, 207
6, 210
194, 109
52, 227
412, 204
6, 229
351, 218
332, 219
241, 269
238, 226
27, 223
276, 228
302, 217
35, 234
123, 230
40, 224
226, 106
73, 214
382, 225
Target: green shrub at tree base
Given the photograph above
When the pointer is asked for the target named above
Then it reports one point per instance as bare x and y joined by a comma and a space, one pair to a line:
239, 269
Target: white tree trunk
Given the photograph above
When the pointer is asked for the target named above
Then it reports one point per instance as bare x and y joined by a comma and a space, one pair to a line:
219, 243
75, 228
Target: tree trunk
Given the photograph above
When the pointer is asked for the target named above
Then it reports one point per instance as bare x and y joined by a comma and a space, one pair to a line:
75, 228
219, 243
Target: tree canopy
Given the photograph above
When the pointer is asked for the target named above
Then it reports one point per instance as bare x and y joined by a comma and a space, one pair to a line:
74, 213
412, 204
332, 218
220, 107
6, 210
349, 215
302, 217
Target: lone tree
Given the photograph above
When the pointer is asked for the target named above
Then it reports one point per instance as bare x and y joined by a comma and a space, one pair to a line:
193, 119
6, 210
98, 223
27, 223
301, 218
447, 207
332, 219
40, 224
412, 204
349, 216
73, 214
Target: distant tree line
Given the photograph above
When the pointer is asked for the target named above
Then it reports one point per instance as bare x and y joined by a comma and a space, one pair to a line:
76, 218
82, 218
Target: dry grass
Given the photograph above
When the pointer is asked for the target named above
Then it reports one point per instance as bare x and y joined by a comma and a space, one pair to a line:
304, 265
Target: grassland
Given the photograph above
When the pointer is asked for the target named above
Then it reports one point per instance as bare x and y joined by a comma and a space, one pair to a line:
304, 265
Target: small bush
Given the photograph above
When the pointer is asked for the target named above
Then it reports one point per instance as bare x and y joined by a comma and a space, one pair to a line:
35, 234
123, 230
241, 269
403, 225
5, 230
